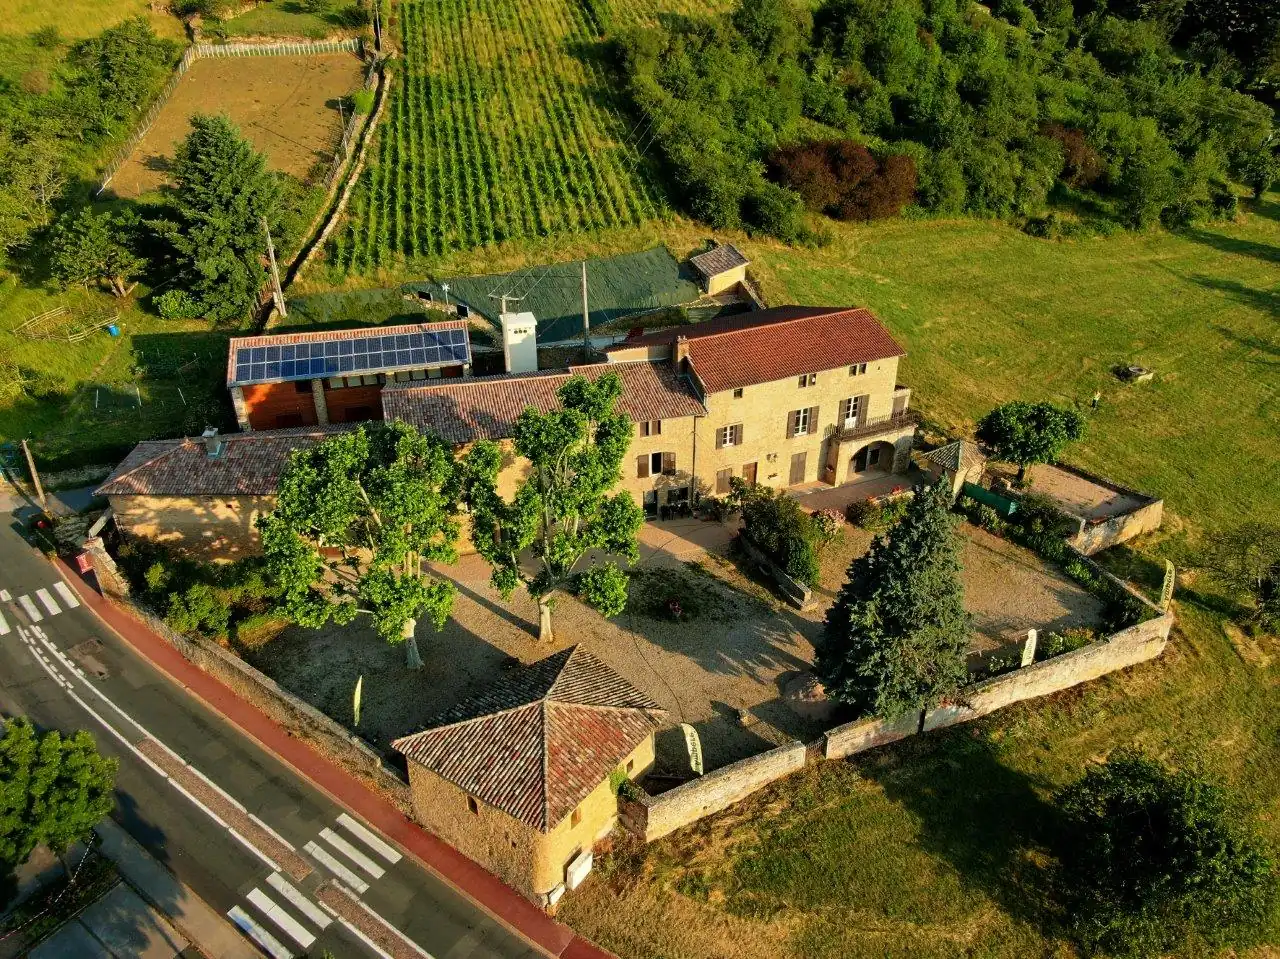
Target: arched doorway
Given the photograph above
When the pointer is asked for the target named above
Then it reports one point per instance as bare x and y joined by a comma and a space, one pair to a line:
872, 459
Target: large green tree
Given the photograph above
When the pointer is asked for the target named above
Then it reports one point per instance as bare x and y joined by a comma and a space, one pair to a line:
386, 499
97, 249
1247, 561
1025, 433
895, 639
224, 193
563, 509
1157, 861
53, 790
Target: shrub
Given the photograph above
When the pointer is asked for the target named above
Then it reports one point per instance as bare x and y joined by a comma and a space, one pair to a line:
177, 305
354, 17
986, 517
827, 524
863, 512
1069, 640
779, 526
1082, 164
201, 609
843, 179
47, 38
362, 102
1038, 514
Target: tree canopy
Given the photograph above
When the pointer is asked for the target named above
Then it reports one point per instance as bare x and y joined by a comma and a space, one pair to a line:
386, 498
1247, 561
1026, 433
224, 193
1157, 861
563, 509
896, 636
89, 248
53, 790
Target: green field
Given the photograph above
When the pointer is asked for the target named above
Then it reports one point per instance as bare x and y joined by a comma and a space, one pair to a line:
282, 18
944, 846
76, 19
503, 124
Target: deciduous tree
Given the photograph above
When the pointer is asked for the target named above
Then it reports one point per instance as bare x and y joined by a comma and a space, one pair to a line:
1247, 560
563, 509
53, 790
1157, 861
1026, 433
895, 639
89, 248
386, 498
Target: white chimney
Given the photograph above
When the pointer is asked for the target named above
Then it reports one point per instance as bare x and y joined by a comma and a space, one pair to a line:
213, 443
520, 342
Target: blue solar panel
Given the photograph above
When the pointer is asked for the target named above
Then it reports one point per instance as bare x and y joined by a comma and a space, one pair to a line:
300, 361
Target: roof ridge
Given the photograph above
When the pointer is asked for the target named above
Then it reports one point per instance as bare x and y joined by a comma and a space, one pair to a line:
774, 323
545, 740
412, 737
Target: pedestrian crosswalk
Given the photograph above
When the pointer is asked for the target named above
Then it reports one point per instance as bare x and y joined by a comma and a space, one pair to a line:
39, 604
280, 918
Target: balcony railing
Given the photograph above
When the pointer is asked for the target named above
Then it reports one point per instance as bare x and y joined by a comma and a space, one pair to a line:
879, 424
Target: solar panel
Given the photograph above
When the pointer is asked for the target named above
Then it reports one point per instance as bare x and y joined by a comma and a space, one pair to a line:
371, 354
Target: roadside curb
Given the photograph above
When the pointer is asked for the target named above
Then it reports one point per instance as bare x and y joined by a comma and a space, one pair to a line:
463, 875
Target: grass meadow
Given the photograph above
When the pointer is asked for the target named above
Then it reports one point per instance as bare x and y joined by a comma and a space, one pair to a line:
945, 846
76, 19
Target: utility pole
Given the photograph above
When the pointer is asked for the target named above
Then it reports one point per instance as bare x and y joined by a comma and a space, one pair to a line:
35, 477
377, 26
503, 298
586, 318
276, 291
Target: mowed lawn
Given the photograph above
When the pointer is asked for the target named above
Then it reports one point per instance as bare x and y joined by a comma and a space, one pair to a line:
945, 845
76, 19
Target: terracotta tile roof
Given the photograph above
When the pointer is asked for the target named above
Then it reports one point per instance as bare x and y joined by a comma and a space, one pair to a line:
326, 336
957, 456
722, 259
464, 410
773, 344
249, 464
537, 742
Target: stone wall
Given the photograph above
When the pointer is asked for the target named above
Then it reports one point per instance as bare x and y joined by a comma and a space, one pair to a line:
1095, 537
651, 817
867, 734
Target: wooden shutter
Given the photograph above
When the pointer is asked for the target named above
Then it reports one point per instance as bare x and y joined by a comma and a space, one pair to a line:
722, 481
791, 423
719, 437
737, 435
668, 463
642, 465
657, 427
864, 404
813, 421
644, 428
899, 404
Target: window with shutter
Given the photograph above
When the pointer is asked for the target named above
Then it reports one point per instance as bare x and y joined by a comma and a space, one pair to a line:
722, 481
813, 419
803, 422
791, 423
642, 465
864, 404
669, 463
737, 435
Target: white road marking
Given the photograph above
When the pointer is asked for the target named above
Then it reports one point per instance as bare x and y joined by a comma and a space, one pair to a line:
47, 599
393, 930
352, 853
323, 857
366, 940
269, 943
25, 602
373, 842
298, 900
4, 625
67, 595
294, 929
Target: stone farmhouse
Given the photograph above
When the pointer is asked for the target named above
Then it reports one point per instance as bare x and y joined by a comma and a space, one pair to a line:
794, 397
520, 778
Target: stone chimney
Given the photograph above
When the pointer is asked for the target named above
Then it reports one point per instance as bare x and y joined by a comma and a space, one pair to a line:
680, 352
213, 443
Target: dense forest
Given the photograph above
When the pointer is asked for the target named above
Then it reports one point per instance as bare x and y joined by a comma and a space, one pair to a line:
1133, 113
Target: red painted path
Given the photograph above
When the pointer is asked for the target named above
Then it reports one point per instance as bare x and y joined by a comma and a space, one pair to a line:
463, 874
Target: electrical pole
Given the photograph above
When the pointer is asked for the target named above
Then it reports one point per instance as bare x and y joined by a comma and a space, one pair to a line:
586, 318
276, 291
35, 477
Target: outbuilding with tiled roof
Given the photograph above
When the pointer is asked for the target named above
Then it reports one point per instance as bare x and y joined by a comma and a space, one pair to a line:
518, 777
721, 268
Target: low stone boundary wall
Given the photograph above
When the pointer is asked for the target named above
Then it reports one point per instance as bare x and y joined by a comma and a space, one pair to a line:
651, 817
867, 734
1095, 537
797, 593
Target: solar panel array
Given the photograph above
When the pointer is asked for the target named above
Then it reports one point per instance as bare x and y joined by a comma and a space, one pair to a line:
370, 354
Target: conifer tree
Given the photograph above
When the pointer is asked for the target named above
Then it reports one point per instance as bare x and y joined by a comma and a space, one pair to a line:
896, 636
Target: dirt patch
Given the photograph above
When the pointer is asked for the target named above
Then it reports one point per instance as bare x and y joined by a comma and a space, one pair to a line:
1080, 495
286, 106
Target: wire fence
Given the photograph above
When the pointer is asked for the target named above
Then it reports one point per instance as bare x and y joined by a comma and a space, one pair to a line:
198, 51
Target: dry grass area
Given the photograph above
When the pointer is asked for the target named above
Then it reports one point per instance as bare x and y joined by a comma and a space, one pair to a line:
286, 106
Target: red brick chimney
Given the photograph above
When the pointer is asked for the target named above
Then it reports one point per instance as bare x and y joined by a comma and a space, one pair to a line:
680, 352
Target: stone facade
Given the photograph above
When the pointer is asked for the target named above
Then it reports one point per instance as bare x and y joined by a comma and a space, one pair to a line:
211, 528
525, 858
1094, 537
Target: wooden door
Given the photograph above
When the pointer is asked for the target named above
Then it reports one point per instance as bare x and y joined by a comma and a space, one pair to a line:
797, 468
749, 473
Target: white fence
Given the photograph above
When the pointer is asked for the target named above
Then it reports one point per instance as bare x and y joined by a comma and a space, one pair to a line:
200, 51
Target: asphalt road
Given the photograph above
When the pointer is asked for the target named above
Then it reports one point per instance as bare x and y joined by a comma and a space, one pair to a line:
67, 670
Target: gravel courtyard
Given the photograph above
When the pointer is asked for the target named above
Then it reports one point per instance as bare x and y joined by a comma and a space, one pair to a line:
733, 653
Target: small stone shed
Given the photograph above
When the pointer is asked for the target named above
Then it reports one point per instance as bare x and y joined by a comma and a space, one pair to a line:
956, 463
518, 778
721, 268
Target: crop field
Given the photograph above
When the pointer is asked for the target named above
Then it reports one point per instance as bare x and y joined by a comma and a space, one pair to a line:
286, 106
504, 124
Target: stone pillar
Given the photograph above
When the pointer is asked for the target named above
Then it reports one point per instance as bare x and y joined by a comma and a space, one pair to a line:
902, 452
1029, 648
242, 411
322, 408
111, 582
